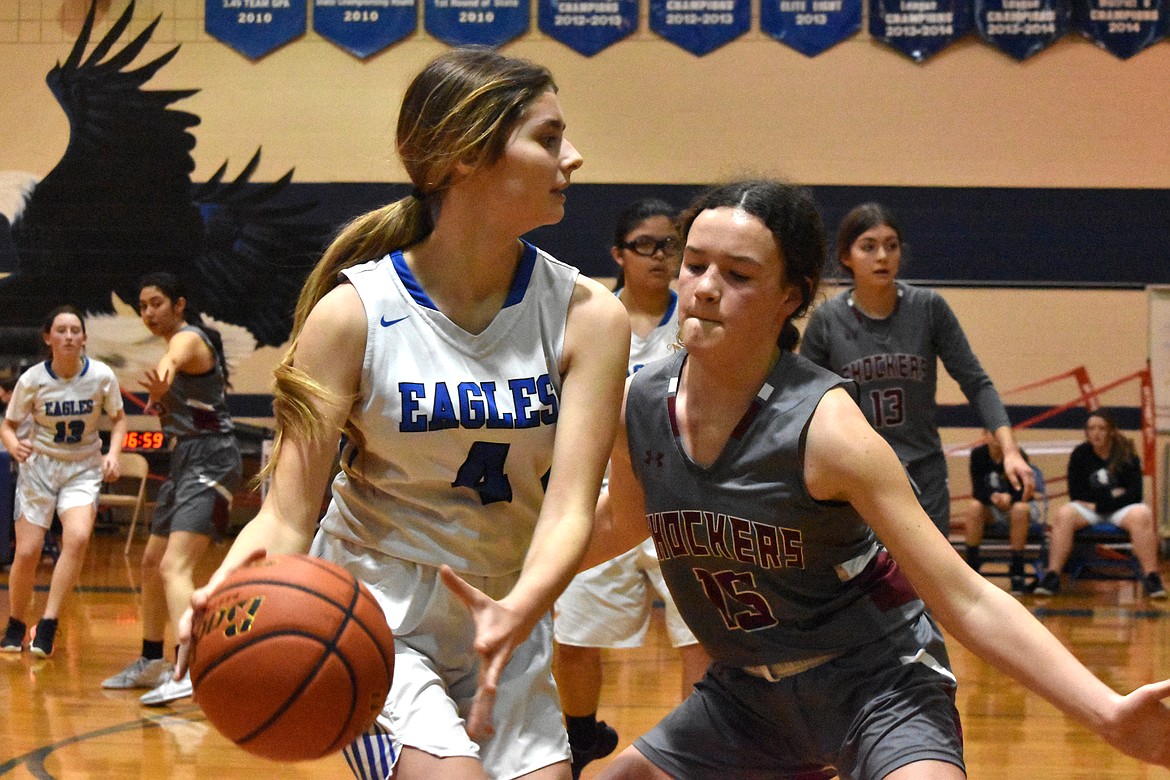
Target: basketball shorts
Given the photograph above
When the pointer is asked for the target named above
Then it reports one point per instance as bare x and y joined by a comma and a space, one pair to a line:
197, 495
436, 671
930, 480
609, 605
1000, 521
45, 485
859, 716
1097, 518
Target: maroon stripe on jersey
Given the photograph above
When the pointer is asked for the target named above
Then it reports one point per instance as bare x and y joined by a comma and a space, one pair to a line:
884, 584
747, 418
670, 412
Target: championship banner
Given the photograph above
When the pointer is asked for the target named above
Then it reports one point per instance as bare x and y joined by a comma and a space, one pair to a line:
483, 22
919, 28
364, 27
1021, 28
700, 26
255, 27
1122, 27
587, 26
810, 26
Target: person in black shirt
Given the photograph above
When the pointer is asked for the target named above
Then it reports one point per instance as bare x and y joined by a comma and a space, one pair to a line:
1104, 487
994, 501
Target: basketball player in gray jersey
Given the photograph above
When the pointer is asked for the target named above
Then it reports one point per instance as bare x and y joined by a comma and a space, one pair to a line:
765, 490
889, 337
470, 372
189, 385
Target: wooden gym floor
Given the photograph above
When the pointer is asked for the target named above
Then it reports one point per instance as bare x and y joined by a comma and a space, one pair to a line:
57, 722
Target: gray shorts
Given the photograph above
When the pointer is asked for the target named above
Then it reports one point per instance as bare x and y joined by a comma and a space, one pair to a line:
861, 715
197, 495
930, 479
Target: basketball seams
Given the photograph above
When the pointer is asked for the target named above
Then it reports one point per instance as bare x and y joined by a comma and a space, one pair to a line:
351, 635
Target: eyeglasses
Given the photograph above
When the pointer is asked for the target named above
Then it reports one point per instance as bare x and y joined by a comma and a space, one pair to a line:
647, 246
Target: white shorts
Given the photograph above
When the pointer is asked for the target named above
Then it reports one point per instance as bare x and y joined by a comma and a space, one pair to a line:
45, 485
436, 671
609, 605
1096, 518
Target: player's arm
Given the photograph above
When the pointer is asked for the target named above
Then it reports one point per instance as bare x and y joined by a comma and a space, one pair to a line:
186, 351
19, 449
620, 520
19, 408
330, 351
593, 368
111, 469
847, 461
1015, 466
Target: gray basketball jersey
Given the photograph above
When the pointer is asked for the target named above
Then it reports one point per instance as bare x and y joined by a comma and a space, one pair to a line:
196, 404
895, 361
457, 428
66, 412
761, 572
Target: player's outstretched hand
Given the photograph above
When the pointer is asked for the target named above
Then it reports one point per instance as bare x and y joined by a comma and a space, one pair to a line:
1142, 726
498, 632
198, 603
155, 384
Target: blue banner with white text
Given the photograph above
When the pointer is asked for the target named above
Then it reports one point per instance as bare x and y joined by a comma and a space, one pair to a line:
700, 26
1122, 27
482, 22
255, 28
810, 26
588, 26
1021, 28
919, 28
364, 27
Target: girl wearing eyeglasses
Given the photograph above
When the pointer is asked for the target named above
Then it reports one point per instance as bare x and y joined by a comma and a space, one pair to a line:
609, 605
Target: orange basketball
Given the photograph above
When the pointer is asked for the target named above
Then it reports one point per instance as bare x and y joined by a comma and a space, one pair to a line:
292, 659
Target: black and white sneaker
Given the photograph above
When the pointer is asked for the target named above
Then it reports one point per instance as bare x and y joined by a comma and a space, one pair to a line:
605, 740
1049, 586
42, 638
1153, 585
13, 641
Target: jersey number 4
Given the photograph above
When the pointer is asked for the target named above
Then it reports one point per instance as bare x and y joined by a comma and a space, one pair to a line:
483, 472
734, 595
70, 435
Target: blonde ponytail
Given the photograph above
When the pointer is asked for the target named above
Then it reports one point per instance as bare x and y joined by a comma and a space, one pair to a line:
297, 397
459, 110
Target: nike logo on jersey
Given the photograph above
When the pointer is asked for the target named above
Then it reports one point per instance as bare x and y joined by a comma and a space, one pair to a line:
387, 323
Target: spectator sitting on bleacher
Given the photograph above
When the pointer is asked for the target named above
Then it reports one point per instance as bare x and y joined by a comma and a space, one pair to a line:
1104, 487
994, 501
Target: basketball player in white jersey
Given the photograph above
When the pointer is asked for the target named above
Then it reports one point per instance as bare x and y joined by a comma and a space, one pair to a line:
610, 605
61, 468
765, 490
477, 381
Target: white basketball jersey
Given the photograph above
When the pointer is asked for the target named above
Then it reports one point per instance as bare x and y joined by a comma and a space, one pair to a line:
658, 342
66, 412
458, 428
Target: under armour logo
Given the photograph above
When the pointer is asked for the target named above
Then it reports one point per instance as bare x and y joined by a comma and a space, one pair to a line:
653, 458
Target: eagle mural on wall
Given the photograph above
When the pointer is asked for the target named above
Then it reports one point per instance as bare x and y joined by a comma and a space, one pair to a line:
121, 203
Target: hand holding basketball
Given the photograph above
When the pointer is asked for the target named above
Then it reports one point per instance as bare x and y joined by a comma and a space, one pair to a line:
291, 659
